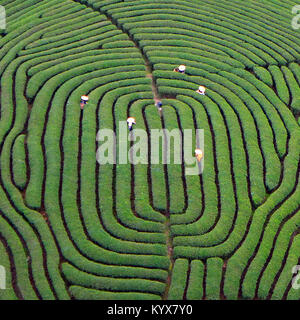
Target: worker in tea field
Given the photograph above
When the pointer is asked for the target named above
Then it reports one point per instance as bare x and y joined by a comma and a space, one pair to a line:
198, 154
201, 90
180, 69
84, 100
130, 122
158, 104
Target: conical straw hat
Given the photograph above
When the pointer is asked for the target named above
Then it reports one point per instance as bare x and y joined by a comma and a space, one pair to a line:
199, 154
131, 119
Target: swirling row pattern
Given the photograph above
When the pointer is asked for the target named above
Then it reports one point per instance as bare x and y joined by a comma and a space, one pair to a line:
73, 229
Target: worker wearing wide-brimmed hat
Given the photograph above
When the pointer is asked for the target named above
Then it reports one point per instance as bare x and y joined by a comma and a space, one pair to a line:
180, 69
201, 90
84, 100
130, 122
198, 154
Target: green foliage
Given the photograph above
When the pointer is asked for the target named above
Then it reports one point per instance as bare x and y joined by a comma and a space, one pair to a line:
195, 285
77, 277
280, 84
179, 278
213, 278
19, 162
263, 75
81, 293
294, 89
